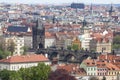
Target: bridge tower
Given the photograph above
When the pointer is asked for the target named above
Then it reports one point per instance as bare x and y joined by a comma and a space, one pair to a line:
39, 35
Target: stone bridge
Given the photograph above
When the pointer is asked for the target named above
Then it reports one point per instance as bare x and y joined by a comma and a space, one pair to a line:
68, 55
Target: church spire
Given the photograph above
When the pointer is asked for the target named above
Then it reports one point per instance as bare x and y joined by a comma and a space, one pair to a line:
84, 26
111, 10
84, 22
91, 11
91, 7
53, 20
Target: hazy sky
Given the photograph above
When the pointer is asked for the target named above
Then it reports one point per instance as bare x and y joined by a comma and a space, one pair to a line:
61, 1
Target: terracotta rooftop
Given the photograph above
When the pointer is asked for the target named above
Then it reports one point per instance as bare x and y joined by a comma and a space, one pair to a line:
111, 66
72, 68
69, 67
109, 57
24, 59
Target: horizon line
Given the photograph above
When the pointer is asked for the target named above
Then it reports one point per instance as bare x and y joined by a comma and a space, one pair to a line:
59, 3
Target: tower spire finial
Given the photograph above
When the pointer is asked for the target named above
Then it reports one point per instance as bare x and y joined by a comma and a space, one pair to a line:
84, 22
91, 7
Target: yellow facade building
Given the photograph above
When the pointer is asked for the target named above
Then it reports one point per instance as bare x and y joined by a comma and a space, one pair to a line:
76, 43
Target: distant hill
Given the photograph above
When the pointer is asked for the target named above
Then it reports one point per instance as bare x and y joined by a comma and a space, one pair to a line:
117, 5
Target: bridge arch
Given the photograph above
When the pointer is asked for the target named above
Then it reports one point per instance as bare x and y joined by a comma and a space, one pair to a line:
53, 54
70, 57
83, 57
40, 52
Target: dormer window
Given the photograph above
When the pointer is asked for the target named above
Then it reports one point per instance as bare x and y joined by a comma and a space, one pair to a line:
88, 63
93, 63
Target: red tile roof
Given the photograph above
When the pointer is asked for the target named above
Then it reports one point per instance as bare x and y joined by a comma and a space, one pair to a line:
109, 57
24, 59
111, 66
72, 68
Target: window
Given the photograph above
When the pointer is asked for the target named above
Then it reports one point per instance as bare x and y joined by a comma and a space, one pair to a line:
94, 69
6, 67
103, 64
93, 63
20, 44
91, 69
91, 74
112, 73
88, 69
88, 63
14, 67
20, 40
18, 67
88, 73
103, 73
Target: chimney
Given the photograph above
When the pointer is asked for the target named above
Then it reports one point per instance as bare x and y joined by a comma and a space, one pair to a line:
114, 61
8, 57
106, 56
46, 55
98, 58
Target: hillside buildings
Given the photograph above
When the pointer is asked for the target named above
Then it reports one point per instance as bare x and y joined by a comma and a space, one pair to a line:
91, 28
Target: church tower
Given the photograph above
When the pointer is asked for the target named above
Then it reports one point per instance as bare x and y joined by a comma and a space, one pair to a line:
38, 35
84, 26
91, 9
111, 10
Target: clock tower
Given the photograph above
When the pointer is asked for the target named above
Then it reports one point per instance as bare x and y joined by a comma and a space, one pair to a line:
38, 35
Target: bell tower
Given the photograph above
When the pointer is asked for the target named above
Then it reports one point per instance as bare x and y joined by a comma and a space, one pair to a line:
38, 35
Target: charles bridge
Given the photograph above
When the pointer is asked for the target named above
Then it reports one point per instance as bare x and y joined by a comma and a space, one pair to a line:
69, 56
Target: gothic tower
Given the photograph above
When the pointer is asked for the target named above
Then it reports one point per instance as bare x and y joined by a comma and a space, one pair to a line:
91, 9
111, 10
38, 35
84, 26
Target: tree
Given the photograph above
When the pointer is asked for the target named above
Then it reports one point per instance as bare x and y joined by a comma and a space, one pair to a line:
4, 54
14, 75
2, 44
11, 46
4, 74
60, 74
69, 47
6, 48
39, 72
26, 73
24, 48
75, 47
116, 42
104, 78
3, 49
94, 78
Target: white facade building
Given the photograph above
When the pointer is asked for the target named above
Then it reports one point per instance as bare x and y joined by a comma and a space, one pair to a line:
49, 42
85, 39
19, 44
24, 61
